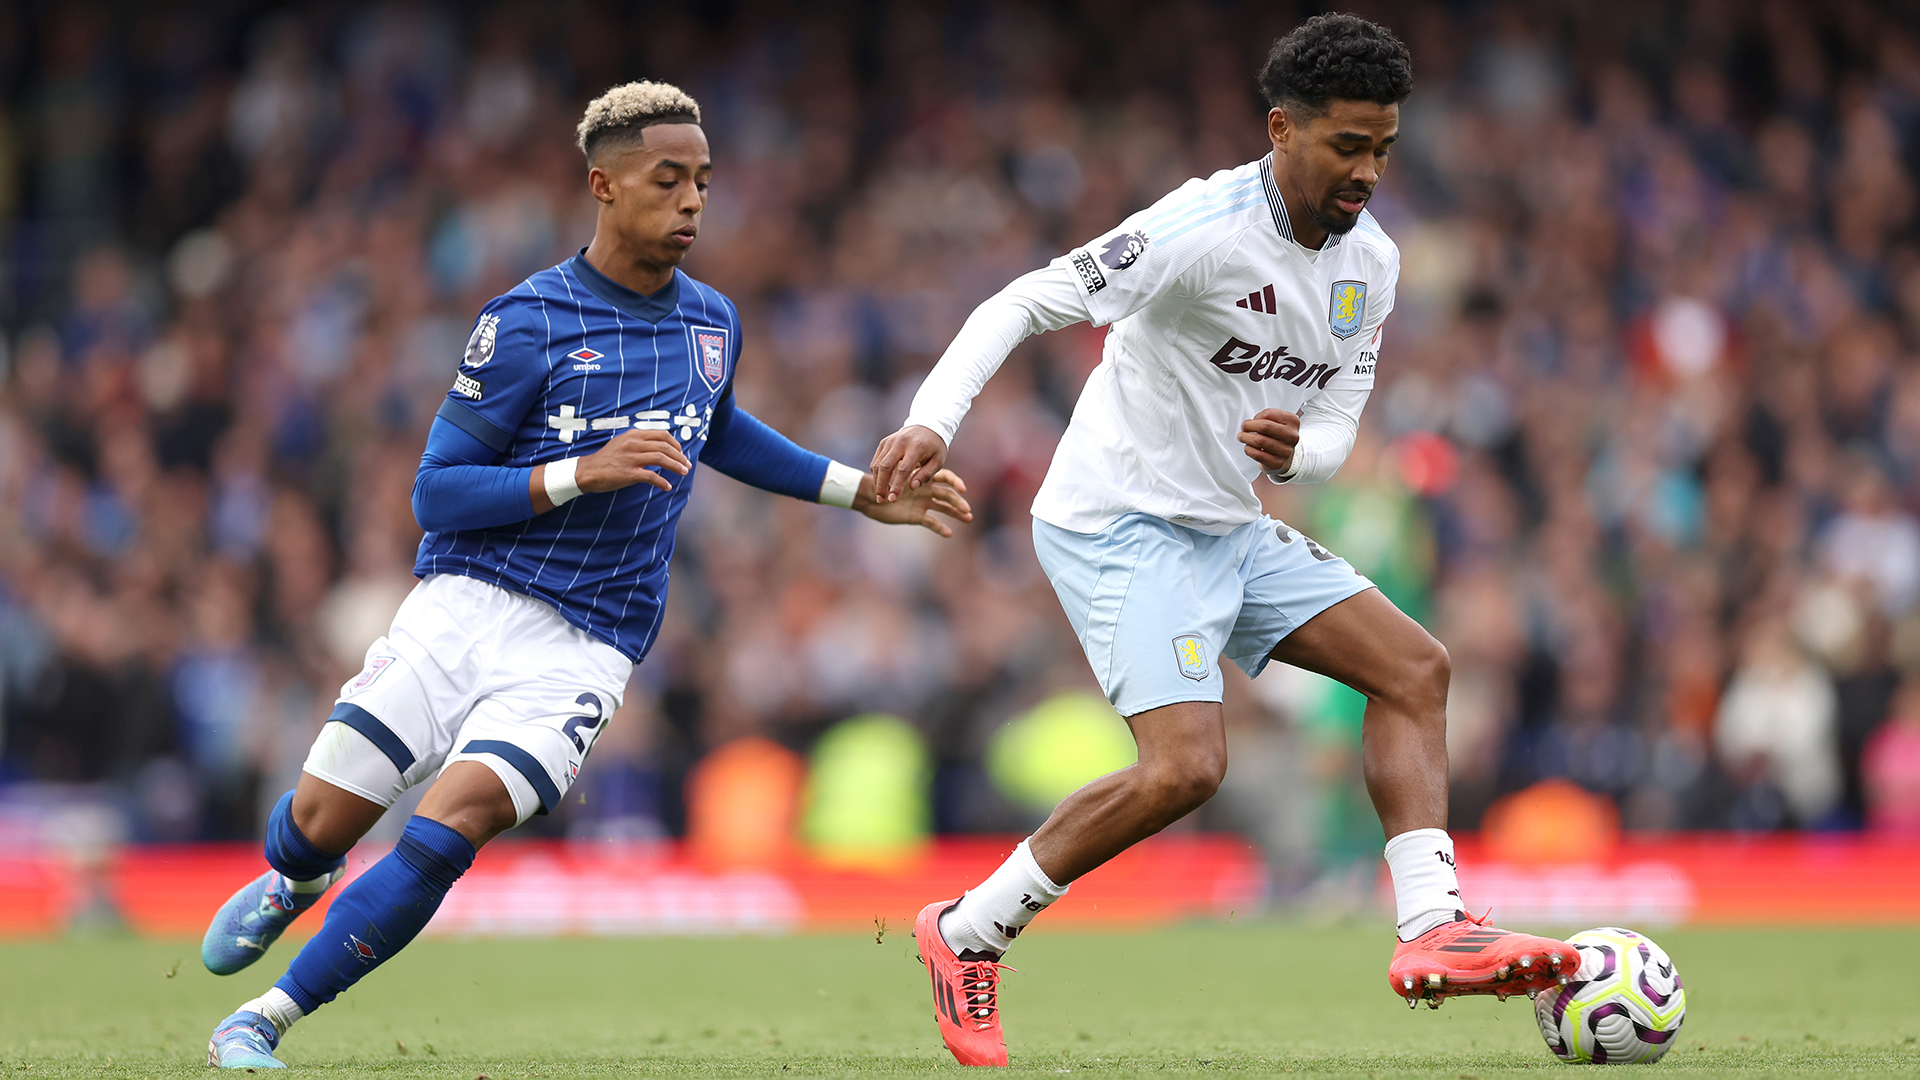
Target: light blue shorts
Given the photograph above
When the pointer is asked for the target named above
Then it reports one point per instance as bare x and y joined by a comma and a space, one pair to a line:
1155, 603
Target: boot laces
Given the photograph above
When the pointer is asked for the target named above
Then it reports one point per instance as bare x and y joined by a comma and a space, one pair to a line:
980, 985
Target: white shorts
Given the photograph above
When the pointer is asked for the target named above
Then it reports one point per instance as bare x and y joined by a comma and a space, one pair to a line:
472, 672
1155, 603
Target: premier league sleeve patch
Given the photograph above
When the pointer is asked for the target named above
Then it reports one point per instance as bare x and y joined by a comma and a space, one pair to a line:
1347, 308
1124, 250
709, 355
480, 343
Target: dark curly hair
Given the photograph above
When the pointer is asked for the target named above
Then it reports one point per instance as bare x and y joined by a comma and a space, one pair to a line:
1337, 57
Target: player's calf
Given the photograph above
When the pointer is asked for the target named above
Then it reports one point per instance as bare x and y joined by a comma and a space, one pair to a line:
374, 918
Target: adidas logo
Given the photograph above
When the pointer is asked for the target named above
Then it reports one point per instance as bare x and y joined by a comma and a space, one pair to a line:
1259, 301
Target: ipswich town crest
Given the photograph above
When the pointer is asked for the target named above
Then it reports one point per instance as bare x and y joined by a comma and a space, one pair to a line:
710, 355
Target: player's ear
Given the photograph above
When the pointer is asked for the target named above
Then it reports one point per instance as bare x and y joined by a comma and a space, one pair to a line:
1278, 127
600, 184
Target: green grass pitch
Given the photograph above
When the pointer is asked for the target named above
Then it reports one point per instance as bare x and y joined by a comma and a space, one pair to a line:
1258, 998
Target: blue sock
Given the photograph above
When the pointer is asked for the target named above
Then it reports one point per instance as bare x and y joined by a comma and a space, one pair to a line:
379, 913
290, 852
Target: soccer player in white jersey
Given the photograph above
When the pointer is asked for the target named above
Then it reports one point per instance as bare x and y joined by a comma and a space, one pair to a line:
1246, 313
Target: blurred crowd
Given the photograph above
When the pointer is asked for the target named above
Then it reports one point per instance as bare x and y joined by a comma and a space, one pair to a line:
1645, 450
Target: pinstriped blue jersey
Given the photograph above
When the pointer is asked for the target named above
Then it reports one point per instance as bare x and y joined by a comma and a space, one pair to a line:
555, 369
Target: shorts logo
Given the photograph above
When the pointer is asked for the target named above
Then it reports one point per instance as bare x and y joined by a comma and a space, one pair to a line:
480, 343
1347, 308
469, 387
1091, 278
709, 355
365, 679
1191, 654
1314, 549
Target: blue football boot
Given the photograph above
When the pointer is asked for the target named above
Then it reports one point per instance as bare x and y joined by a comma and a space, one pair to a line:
244, 1040
253, 919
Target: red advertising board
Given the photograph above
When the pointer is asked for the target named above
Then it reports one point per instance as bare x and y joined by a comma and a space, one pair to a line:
538, 888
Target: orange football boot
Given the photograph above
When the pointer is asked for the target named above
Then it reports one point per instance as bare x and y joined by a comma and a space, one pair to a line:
1468, 956
966, 992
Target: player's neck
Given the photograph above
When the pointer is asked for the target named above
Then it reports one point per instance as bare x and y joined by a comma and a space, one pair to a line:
624, 268
1306, 231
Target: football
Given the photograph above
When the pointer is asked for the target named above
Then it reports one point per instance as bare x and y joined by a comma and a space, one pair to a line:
1624, 1004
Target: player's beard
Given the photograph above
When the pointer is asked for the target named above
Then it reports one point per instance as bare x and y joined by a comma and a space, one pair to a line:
1334, 221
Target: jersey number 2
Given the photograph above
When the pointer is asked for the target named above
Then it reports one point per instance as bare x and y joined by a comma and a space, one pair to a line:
571, 729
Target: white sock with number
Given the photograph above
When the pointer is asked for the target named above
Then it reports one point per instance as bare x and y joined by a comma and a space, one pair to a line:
277, 1007
1426, 891
989, 917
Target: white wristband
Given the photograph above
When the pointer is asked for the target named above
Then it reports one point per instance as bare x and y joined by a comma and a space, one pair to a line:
559, 478
842, 483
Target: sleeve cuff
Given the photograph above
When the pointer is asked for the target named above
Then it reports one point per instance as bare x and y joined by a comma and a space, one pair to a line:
938, 427
841, 484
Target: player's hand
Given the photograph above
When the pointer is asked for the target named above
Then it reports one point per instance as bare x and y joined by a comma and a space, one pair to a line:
944, 494
1270, 438
905, 461
630, 458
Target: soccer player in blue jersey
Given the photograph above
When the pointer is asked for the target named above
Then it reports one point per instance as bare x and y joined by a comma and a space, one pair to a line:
553, 476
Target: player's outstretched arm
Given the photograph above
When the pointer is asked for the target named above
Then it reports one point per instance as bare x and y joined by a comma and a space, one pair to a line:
944, 493
1046, 299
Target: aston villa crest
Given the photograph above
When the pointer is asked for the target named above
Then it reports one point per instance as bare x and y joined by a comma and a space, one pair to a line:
1347, 308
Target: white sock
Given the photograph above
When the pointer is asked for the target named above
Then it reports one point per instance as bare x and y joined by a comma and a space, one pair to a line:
989, 917
315, 885
1426, 892
277, 1007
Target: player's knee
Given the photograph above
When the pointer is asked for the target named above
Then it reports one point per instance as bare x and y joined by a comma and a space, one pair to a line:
1425, 672
1181, 785
471, 799
480, 817
329, 818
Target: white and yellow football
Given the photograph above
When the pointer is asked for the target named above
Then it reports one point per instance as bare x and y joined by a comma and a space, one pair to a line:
1624, 1005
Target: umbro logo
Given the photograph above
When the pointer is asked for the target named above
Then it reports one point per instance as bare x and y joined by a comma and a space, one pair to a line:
584, 359
1260, 300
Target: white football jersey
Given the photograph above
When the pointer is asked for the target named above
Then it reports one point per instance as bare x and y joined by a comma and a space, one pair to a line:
1217, 314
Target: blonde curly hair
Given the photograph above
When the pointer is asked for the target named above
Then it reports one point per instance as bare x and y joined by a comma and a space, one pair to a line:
631, 107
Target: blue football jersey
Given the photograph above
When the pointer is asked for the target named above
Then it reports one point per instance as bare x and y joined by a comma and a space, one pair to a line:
556, 368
